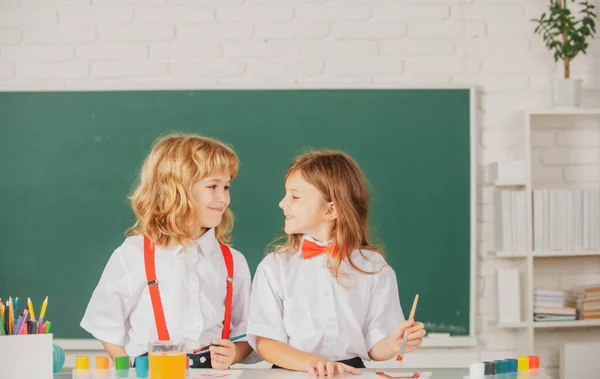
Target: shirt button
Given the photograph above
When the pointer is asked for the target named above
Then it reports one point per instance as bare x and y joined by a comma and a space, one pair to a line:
326, 294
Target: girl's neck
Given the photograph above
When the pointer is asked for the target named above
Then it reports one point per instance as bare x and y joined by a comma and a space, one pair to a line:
321, 236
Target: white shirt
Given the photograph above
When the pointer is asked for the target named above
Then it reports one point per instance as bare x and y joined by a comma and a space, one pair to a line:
192, 285
297, 301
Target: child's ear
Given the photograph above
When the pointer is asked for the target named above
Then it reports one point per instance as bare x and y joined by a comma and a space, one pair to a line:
331, 213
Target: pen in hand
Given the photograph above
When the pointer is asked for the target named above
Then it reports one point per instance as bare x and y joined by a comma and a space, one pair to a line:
405, 338
205, 348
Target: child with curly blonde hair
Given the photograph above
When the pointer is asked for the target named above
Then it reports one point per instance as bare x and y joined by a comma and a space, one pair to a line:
178, 244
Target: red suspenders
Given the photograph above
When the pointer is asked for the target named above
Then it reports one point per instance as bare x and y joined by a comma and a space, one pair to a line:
159, 314
228, 299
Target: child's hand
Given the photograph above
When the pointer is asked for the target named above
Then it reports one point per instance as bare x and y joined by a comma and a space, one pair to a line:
329, 369
415, 331
222, 356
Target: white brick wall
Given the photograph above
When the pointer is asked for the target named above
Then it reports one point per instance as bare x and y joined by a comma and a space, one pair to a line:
128, 44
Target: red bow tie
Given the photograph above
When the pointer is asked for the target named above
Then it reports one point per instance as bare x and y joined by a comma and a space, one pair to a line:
310, 249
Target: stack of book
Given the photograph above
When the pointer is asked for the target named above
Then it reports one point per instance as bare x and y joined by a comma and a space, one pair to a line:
551, 305
588, 302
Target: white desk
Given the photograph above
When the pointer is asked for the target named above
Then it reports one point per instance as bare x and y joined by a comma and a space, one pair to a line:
438, 373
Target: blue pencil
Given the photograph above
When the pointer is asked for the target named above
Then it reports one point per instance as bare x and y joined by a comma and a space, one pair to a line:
16, 306
18, 325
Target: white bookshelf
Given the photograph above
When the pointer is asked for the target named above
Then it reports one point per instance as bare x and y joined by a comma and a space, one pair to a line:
567, 324
550, 324
527, 260
507, 183
545, 254
565, 254
563, 112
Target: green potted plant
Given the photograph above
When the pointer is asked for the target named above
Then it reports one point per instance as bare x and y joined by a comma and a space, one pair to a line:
566, 35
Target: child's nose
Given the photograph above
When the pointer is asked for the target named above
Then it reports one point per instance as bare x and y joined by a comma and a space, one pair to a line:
221, 196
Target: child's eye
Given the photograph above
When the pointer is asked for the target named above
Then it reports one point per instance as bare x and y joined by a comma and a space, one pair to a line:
227, 188
295, 197
214, 186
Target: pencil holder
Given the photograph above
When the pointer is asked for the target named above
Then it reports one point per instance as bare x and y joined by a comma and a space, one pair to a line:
26, 356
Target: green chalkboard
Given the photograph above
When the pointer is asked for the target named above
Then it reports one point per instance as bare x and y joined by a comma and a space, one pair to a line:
68, 160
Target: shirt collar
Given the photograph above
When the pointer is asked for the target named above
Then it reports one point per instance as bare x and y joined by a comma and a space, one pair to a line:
309, 238
204, 244
207, 243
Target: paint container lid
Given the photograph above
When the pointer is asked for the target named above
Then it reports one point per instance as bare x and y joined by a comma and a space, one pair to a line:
141, 366
489, 368
476, 371
501, 367
512, 365
122, 363
82, 362
102, 362
523, 363
534, 361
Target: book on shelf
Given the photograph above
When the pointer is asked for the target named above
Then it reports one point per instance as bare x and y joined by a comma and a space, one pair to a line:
588, 302
551, 298
510, 220
539, 317
553, 305
549, 293
548, 302
563, 311
566, 219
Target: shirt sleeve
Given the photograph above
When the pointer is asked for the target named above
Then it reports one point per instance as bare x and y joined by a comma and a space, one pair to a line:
266, 308
110, 304
240, 303
384, 311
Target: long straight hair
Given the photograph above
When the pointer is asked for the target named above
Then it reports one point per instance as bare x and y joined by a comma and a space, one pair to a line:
340, 180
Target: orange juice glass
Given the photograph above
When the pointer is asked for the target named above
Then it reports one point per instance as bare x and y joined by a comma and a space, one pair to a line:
167, 360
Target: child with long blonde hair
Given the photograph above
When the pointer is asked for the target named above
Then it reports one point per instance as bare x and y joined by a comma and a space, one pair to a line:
325, 300
178, 244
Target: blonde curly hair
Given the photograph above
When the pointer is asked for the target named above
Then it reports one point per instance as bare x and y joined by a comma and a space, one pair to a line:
162, 202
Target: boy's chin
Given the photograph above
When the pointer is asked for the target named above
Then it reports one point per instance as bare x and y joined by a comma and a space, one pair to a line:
210, 225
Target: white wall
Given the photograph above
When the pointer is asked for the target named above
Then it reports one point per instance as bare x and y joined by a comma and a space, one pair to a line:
130, 44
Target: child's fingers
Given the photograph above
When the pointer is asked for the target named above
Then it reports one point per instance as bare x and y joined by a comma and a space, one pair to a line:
414, 342
351, 370
403, 327
416, 326
223, 342
340, 370
219, 366
330, 369
313, 372
417, 334
219, 359
413, 345
321, 369
227, 351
